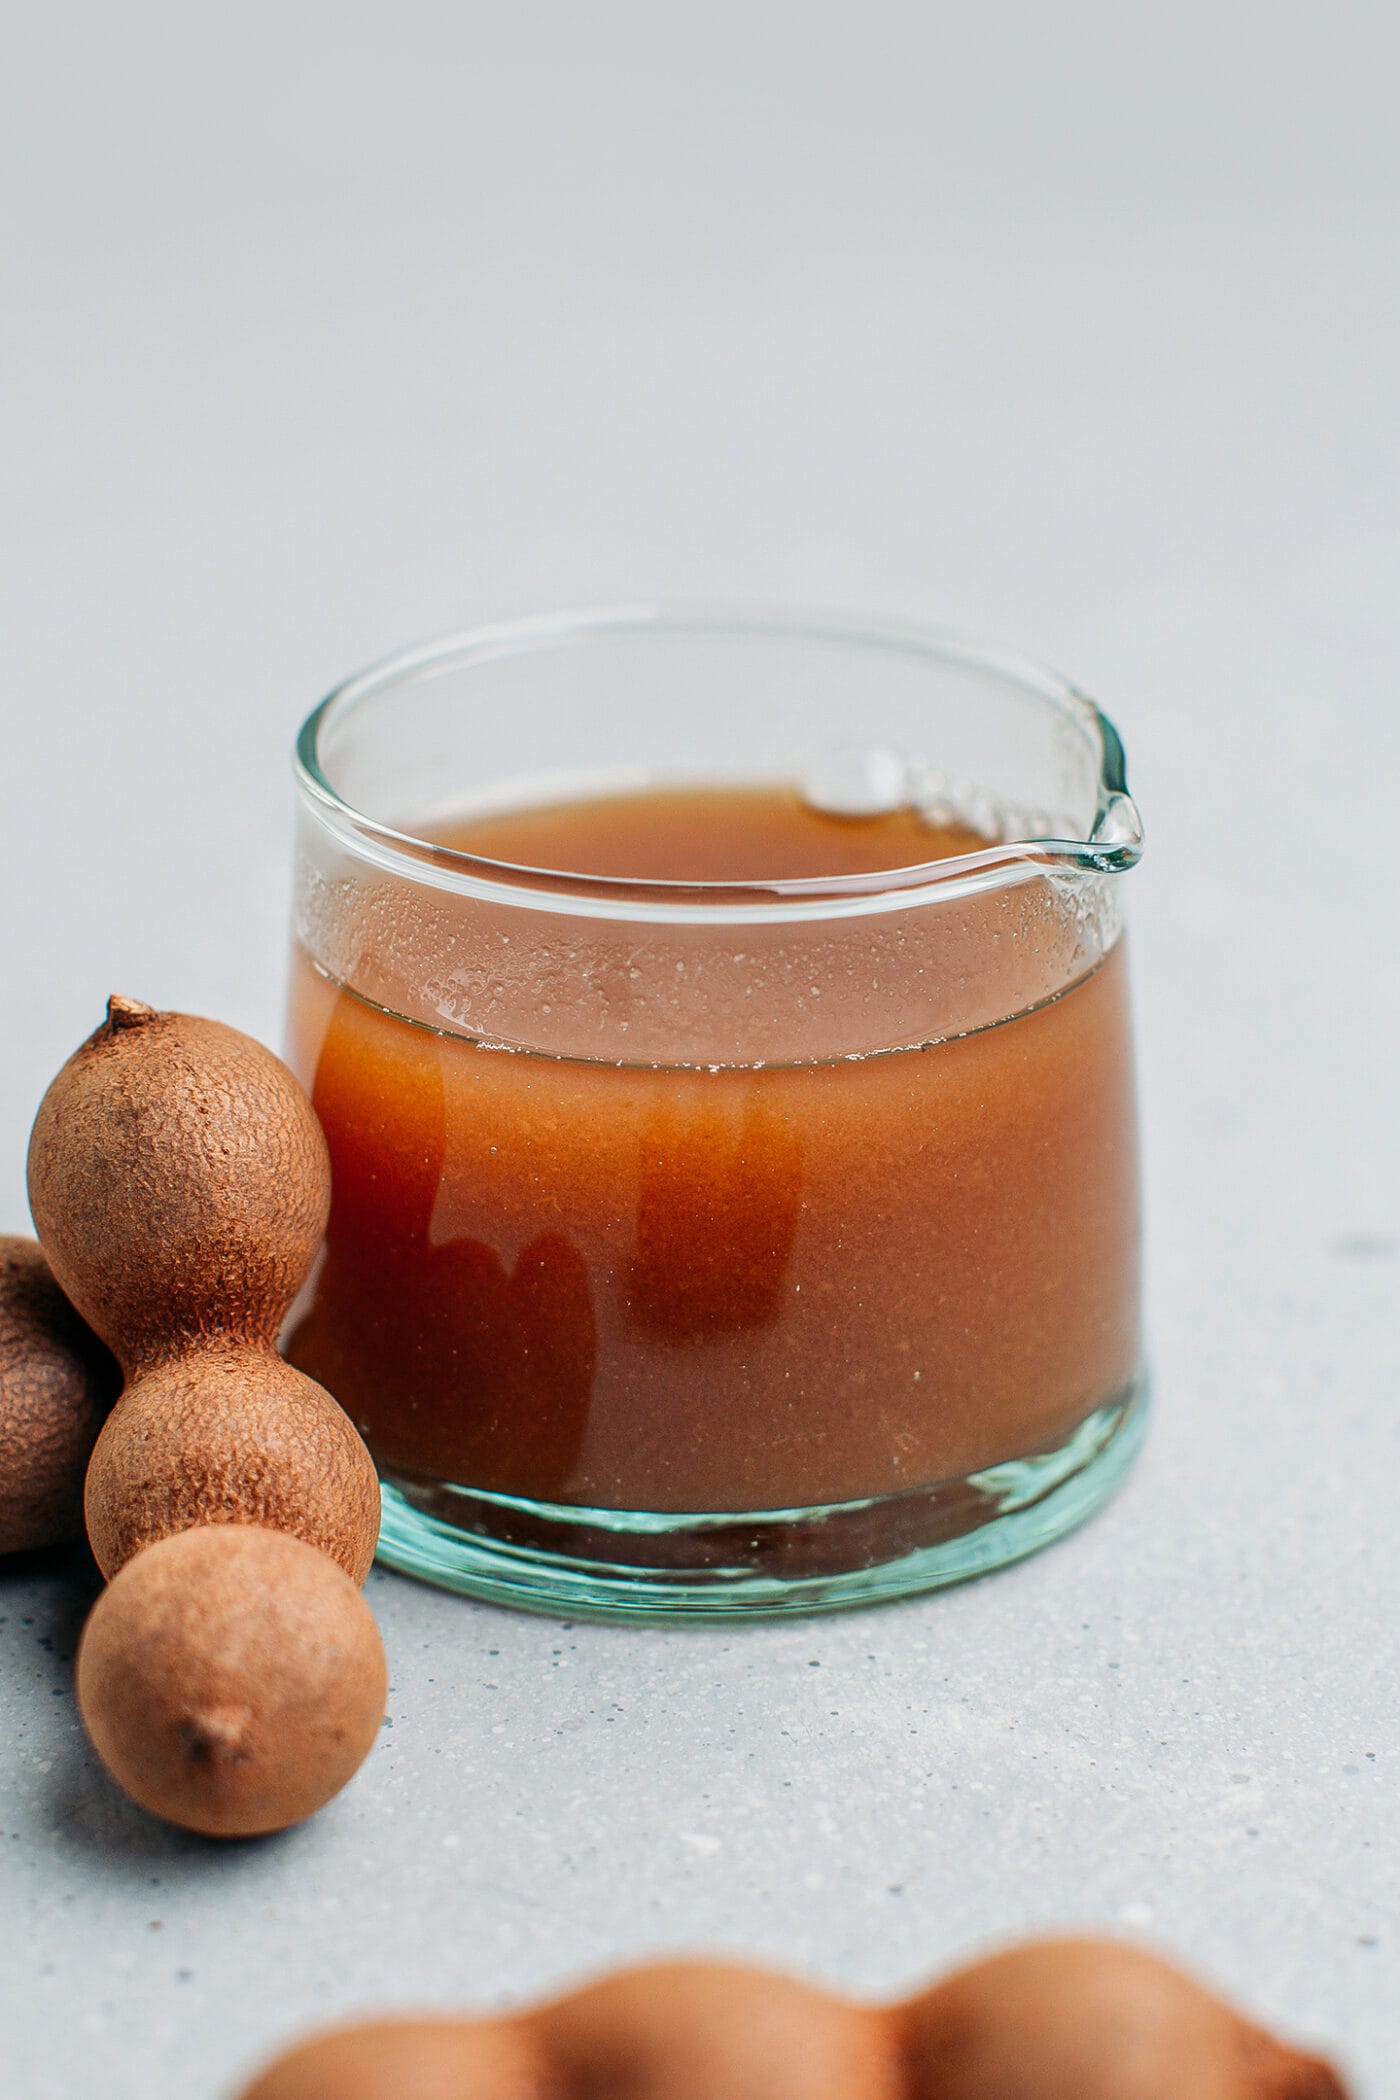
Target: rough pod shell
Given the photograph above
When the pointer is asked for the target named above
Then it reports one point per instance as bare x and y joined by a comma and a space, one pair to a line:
57, 1383
179, 1183
231, 1679
231, 1436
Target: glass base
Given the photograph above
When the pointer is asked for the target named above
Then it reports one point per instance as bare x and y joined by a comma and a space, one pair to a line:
624, 1564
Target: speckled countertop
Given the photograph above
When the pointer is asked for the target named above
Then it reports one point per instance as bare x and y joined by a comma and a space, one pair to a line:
330, 329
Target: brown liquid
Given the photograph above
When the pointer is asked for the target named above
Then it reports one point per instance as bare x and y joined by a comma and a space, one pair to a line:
735, 834
650, 1287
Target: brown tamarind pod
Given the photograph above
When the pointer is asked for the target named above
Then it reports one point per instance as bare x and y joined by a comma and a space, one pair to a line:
411, 2059
231, 1436
57, 1383
179, 1182
231, 1679
1053, 2020
708, 2030
1089, 2019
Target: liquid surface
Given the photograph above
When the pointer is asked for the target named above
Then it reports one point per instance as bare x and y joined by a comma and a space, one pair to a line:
705, 834
686, 1290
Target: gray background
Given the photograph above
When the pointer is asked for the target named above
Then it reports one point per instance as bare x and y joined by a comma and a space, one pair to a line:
326, 328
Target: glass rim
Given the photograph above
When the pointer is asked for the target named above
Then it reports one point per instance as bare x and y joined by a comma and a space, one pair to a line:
1113, 845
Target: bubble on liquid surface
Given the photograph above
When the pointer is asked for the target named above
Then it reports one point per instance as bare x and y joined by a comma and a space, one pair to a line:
853, 780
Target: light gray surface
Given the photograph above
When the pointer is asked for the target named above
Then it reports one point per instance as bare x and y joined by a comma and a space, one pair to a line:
326, 328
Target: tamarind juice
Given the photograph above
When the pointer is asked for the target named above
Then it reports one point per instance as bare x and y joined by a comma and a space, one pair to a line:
666, 1280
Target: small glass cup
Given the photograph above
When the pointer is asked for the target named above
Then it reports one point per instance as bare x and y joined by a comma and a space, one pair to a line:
721, 1247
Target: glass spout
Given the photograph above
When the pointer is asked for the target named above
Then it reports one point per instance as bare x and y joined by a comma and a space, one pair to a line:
663, 694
